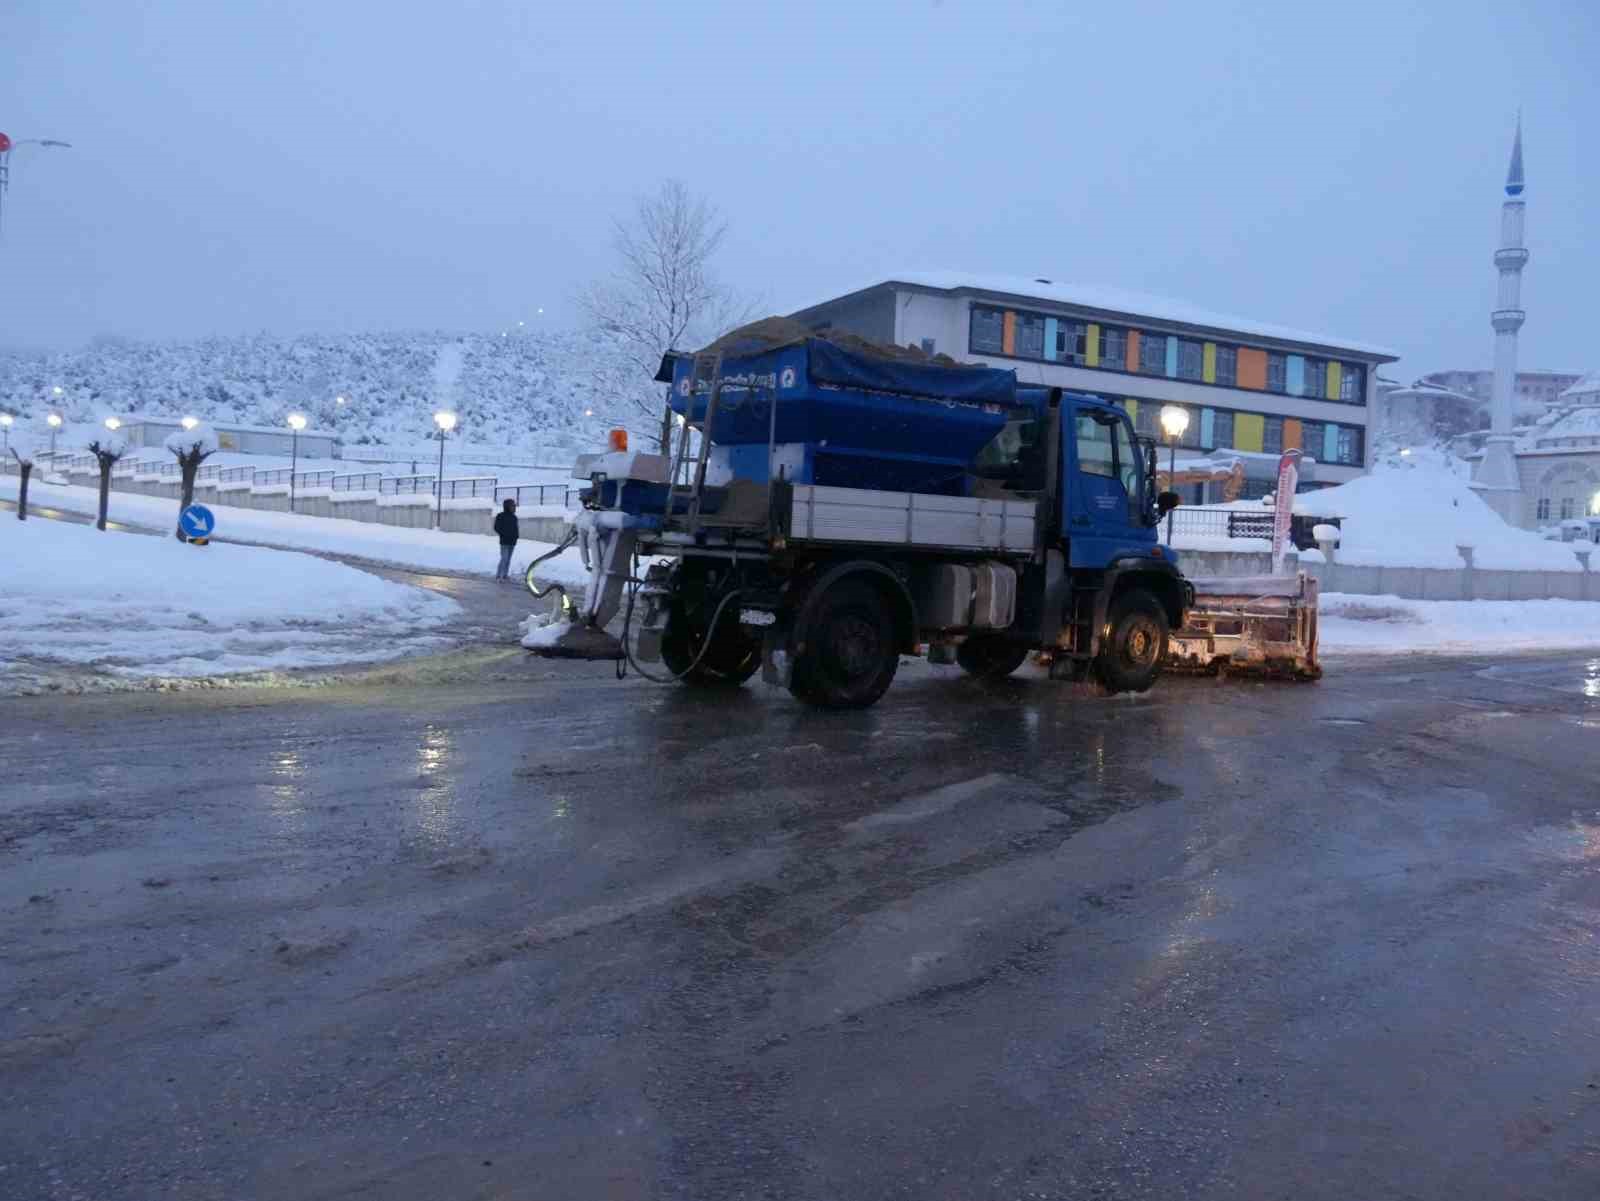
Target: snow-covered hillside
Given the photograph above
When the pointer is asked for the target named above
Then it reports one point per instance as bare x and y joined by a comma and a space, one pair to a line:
531, 393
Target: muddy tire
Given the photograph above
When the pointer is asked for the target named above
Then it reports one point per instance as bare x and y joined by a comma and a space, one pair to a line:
849, 652
732, 659
1133, 643
990, 657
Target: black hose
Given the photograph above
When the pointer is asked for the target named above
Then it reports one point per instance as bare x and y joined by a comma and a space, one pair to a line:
572, 536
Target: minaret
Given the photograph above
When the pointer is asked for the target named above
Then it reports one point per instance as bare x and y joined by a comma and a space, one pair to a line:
1496, 477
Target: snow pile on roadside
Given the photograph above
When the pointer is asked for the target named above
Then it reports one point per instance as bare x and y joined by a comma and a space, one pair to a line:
1417, 516
137, 607
1389, 624
429, 549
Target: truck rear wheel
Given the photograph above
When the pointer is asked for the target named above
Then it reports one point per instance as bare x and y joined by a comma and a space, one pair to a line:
849, 652
989, 657
731, 660
1133, 643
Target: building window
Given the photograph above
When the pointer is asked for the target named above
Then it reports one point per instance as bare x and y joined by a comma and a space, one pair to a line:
1350, 445
1222, 428
1029, 338
1277, 373
1191, 359
1542, 511
1191, 432
1114, 348
1145, 422
1152, 354
1352, 384
1272, 436
1316, 378
1227, 366
1311, 438
1568, 508
988, 331
1071, 342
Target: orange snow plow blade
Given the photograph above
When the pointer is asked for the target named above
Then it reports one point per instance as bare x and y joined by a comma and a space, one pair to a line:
1256, 625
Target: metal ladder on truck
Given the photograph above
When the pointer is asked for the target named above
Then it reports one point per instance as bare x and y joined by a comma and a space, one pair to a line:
707, 372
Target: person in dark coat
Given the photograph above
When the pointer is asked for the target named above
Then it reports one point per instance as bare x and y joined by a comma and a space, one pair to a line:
505, 524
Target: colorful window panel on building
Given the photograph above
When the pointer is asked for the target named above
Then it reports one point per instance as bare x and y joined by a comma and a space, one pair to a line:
1046, 338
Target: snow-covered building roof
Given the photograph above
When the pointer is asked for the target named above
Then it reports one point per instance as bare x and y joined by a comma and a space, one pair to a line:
1585, 391
1569, 430
1124, 303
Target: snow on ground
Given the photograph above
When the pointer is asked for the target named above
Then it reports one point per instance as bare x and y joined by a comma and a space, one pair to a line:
147, 608
1388, 624
428, 549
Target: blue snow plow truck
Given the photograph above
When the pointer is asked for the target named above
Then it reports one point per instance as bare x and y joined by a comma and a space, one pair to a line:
830, 506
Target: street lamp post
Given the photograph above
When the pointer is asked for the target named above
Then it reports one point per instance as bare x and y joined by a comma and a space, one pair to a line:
297, 422
1174, 420
5, 424
54, 422
446, 421
189, 423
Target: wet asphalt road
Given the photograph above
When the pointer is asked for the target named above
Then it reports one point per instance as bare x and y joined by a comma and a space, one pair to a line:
487, 927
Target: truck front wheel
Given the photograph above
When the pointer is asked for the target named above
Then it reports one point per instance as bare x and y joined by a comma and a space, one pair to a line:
848, 654
1133, 643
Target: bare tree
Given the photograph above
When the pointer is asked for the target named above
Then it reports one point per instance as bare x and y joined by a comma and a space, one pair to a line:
107, 449
21, 445
190, 447
662, 295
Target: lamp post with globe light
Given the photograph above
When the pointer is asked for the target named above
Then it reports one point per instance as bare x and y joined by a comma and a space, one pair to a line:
297, 422
189, 423
54, 422
446, 421
1174, 421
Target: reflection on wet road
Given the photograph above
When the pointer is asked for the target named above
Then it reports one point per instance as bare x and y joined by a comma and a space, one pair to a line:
517, 929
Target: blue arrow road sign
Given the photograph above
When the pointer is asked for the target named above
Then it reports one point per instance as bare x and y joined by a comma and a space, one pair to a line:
197, 521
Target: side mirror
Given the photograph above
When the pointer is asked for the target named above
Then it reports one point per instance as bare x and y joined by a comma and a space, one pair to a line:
1166, 502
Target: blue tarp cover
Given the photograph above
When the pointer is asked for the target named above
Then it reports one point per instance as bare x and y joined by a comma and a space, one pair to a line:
831, 365
841, 368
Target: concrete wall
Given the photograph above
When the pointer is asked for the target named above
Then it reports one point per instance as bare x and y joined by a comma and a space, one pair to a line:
1232, 563
355, 508
544, 529
416, 516
1411, 583
1464, 583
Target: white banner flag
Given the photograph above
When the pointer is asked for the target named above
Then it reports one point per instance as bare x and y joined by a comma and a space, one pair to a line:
1283, 506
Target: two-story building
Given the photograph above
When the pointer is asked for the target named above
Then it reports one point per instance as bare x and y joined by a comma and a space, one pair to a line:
1250, 388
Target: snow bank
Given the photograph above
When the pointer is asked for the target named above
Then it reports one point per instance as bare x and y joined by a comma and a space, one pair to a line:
1417, 516
1388, 624
143, 607
425, 548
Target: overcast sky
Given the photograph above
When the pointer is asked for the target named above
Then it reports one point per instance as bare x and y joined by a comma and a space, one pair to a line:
292, 167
